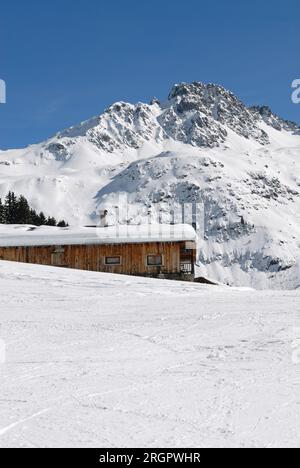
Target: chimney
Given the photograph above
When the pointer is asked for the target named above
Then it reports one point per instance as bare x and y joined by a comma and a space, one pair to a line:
103, 218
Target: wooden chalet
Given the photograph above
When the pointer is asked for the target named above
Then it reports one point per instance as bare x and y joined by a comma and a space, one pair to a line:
165, 251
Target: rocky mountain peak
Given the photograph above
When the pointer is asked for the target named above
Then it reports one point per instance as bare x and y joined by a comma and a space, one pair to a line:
213, 106
198, 88
273, 120
197, 114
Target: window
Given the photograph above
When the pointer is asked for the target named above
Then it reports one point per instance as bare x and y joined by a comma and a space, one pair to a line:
112, 260
154, 260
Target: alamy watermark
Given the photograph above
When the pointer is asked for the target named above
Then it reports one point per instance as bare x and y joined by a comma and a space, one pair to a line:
157, 220
296, 92
2, 92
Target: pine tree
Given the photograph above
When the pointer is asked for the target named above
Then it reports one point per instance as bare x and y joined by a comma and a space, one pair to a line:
23, 213
34, 219
10, 208
50, 221
18, 211
42, 219
2, 213
62, 224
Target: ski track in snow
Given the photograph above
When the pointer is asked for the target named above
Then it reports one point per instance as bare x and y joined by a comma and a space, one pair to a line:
104, 360
22, 421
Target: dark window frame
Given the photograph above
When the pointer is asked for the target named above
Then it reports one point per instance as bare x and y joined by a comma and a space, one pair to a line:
155, 264
113, 263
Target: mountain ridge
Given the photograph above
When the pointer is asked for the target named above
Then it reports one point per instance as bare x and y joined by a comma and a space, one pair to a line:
211, 104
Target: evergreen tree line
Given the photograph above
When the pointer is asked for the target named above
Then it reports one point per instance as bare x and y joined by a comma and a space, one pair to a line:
16, 210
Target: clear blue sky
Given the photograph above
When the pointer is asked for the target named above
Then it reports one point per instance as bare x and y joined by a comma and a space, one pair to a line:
65, 61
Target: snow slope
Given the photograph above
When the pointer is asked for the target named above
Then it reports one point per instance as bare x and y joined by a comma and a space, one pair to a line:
112, 361
202, 144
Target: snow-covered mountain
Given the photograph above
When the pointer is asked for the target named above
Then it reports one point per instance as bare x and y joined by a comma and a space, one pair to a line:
203, 144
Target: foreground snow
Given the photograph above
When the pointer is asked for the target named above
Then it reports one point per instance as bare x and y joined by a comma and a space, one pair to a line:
101, 360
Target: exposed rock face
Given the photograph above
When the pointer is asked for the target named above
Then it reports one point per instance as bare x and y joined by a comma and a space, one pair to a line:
271, 119
121, 126
196, 114
201, 111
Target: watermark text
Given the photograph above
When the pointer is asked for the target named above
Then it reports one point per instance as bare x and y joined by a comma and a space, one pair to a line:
2, 92
296, 92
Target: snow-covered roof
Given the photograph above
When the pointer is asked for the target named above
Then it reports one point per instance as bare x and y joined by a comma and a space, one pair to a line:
24, 235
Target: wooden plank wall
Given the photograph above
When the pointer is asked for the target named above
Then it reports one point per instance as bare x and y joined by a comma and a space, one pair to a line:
92, 257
